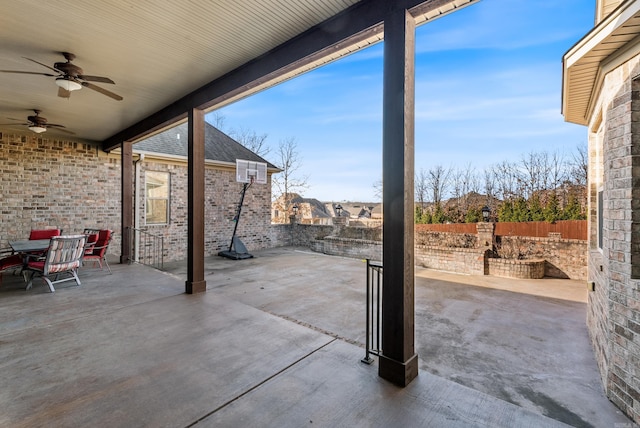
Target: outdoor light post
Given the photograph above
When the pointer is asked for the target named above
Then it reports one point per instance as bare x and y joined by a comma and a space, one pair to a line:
486, 211
339, 221
292, 218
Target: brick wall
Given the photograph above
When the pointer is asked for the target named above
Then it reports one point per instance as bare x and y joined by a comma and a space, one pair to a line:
613, 314
522, 269
349, 247
57, 182
222, 195
565, 258
460, 260
446, 239
72, 185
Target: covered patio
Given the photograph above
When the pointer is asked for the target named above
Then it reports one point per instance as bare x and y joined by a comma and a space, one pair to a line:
149, 66
277, 341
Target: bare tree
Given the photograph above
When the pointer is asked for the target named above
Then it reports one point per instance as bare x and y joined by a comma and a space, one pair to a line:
579, 166
465, 181
438, 181
506, 179
377, 189
490, 189
421, 188
253, 141
288, 181
216, 119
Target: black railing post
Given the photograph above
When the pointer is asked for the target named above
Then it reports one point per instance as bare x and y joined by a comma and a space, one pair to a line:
367, 358
373, 311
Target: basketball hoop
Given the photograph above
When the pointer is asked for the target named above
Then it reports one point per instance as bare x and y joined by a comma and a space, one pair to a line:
251, 172
247, 172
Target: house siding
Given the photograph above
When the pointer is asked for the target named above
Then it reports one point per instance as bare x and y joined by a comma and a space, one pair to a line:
48, 182
613, 313
222, 195
74, 185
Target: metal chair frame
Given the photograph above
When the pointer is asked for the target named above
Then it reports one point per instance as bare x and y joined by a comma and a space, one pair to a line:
64, 256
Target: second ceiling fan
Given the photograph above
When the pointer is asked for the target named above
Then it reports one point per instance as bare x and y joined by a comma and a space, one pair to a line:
70, 77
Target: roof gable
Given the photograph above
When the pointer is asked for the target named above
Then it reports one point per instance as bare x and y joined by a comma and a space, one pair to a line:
218, 146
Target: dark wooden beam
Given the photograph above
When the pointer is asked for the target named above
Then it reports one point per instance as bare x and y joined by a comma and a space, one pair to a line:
126, 179
195, 230
357, 23
398, 362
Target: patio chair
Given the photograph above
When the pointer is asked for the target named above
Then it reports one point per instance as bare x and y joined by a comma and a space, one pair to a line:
9, 261
63, 257
44, 233
98, 252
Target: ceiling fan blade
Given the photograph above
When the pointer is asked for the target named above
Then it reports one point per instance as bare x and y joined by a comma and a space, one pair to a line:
44, 65
27, 72
59, 128
102, 91
14, 124
96, 79
63, 93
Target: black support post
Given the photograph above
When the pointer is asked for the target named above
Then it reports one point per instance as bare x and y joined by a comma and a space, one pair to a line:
398, 362
195, 231
126, 177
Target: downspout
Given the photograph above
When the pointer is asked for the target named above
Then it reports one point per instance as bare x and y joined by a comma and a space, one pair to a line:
136, 206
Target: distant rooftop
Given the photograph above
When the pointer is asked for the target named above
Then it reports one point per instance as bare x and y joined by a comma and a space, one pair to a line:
218, 145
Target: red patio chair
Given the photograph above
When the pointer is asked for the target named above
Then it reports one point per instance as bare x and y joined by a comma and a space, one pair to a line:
9, 261
98, 252
64, 256
43, 233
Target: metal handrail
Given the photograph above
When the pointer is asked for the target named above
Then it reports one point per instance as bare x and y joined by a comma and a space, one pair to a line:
146, 248
373, 345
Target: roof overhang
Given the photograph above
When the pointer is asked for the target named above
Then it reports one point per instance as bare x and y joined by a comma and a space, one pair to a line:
167, 58
356, 28
613, 41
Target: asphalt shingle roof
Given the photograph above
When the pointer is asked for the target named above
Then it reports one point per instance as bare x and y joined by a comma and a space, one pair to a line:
218, 146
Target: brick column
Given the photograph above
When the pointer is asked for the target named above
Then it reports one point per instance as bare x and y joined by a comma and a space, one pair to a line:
486, 235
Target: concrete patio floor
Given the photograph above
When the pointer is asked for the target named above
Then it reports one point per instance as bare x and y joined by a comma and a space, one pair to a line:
277, 341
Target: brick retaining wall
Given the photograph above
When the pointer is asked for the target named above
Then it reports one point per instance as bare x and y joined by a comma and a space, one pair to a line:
522, 269
565, 258
460, 260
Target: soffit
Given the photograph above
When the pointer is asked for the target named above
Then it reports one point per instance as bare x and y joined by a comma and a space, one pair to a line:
157, 52
586, 63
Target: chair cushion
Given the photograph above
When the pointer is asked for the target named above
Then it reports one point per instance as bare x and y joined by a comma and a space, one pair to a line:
36, 265
92, 239
44, 234
11, 261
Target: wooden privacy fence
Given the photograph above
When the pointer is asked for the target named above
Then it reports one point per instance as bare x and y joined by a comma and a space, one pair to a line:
568, 229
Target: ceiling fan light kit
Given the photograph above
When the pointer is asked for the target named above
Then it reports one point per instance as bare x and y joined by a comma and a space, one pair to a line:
37, 129
39, 124
70, 77
67, 84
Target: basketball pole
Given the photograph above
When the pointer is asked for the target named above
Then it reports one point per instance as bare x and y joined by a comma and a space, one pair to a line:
238, 212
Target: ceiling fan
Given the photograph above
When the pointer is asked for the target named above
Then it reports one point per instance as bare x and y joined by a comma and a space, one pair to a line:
70, 77
38, 124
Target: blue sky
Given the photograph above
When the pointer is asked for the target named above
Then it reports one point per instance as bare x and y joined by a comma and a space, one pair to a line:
488, 89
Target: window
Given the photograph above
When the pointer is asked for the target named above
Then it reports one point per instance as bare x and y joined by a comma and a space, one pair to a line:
157, 185
600, 220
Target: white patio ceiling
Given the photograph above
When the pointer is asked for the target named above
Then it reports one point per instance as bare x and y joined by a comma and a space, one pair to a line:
158, 52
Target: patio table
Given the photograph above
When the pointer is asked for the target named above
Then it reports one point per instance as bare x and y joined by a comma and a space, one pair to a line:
29, 245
